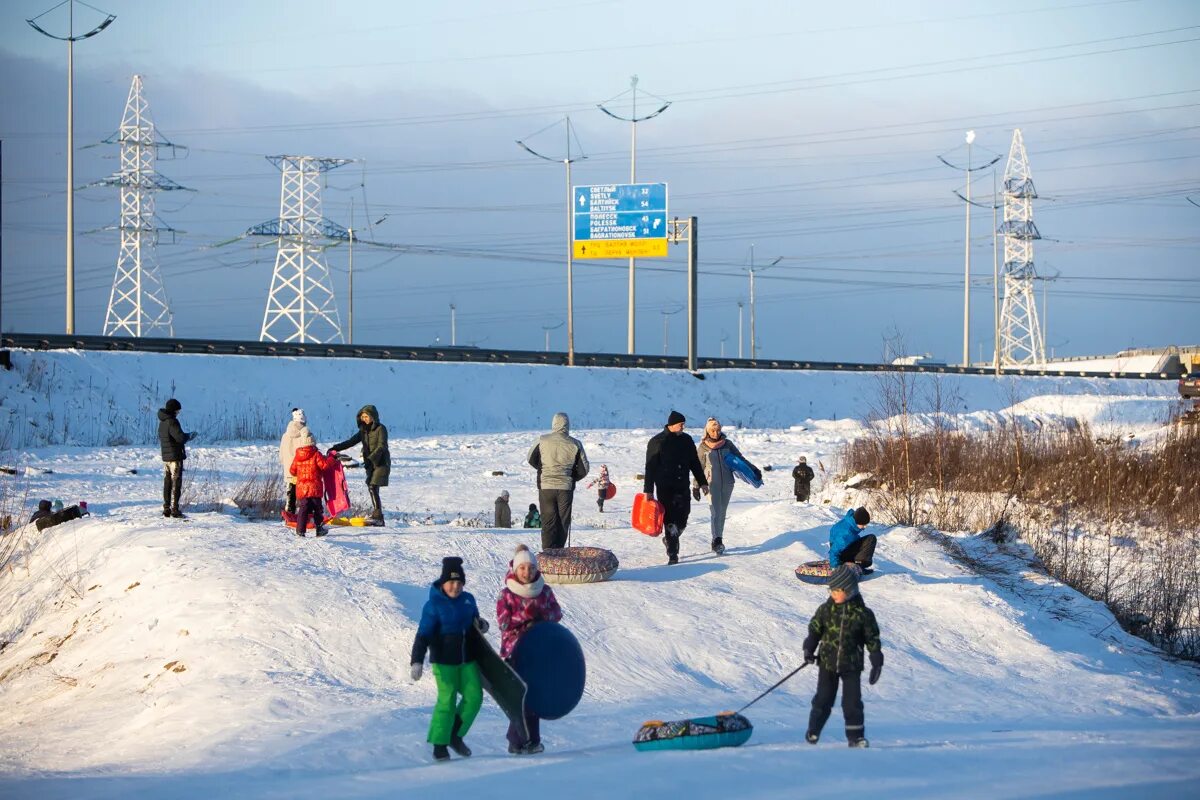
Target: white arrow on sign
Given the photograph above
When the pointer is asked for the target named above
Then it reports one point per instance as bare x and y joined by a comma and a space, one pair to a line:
582, 200
656, 223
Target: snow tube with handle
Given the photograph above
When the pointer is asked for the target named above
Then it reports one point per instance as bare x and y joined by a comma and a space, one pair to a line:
577, 564
703, 733
610, 491
550, 661
648, 514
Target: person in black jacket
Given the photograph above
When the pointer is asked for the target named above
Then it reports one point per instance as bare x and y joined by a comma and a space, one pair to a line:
172, 438
803, 476
670, 457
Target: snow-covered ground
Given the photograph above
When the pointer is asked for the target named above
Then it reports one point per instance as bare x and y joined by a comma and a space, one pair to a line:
223, 657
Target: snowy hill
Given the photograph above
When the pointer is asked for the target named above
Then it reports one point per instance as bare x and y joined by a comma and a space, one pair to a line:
96, 398
224, 657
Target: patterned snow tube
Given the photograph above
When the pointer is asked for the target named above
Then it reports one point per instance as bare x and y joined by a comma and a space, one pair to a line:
561, 565
818, 572
703, 733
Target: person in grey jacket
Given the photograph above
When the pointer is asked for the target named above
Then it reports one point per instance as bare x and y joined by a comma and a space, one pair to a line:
503, 511
560, 462
720, 477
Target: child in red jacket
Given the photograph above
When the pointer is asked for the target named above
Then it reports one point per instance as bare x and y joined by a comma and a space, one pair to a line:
307, 466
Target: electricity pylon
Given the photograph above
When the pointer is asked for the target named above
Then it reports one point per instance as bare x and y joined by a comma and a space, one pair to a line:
138, 304
301, 305
1021, 340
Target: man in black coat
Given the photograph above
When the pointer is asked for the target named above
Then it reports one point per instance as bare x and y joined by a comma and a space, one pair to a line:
172, 439
670, 459
803, 476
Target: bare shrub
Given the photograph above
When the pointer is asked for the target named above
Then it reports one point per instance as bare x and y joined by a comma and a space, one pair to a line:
260, 495
1118, 523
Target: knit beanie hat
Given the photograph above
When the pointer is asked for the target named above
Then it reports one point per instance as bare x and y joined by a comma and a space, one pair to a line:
452, 570
845, 577
803, 460
173, 405
524, 555
533, 506
306, 439
675, 418
298, 416
504, 493
862, 516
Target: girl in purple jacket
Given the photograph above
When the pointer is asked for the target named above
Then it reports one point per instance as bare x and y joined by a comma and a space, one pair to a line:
524, 601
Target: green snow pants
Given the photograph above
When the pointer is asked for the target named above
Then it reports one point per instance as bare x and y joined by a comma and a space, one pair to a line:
454, 681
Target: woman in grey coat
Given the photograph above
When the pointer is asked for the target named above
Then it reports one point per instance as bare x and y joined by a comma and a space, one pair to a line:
711, 451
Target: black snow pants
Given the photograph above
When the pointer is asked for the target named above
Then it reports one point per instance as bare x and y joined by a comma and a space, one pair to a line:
861, 552
556, 516
172, 485
677, 505
852, 705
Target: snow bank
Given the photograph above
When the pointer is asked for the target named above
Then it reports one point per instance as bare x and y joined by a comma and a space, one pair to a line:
96, 398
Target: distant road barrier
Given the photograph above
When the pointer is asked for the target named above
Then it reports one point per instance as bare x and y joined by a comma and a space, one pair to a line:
42, 341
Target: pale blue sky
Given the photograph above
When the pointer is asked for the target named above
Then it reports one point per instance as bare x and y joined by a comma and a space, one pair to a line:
808, 130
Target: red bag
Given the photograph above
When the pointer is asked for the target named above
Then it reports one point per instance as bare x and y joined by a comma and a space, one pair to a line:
610, 491
647, 514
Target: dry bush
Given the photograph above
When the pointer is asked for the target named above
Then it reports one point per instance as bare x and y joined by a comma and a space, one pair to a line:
261, 494
1118, 523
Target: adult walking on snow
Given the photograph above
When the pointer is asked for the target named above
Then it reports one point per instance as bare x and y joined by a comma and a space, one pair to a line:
802, 477
297, 428
711, 452
670, 456
377, 459
560, 462
847, 545
172, 438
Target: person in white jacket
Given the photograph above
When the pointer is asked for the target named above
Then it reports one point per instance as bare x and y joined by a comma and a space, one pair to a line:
297, 429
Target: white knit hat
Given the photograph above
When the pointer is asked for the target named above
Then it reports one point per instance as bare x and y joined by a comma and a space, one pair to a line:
298, 415
524, 555
306, 439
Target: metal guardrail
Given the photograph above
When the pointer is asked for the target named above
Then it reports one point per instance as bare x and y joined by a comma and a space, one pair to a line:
40, 341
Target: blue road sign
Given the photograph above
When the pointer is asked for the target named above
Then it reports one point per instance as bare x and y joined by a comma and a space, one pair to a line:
623, 211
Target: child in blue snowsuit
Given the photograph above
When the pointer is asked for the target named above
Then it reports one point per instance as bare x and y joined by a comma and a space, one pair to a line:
446, 620
846, 542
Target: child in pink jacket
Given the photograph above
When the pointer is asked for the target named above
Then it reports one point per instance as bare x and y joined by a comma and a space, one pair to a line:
524, 601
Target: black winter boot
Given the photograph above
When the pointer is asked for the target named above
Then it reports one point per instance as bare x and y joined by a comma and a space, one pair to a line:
456, 741
812, 738
166, 494
440, 753
718, 546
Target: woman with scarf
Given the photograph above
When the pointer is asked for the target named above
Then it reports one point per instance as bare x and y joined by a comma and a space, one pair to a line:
524, 601
711, 450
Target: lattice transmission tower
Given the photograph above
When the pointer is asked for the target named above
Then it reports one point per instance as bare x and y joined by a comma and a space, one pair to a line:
301, 306
1021, 340
138, 304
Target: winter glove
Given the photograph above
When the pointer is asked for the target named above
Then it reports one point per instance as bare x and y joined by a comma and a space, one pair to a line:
704, 489
417, 669
482, 625
876, 667
758, 474
696, 493
810, 657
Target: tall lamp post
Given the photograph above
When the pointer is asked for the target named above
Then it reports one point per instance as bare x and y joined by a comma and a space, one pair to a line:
753, 340
633, 119
70, 39
966, 359
566, 161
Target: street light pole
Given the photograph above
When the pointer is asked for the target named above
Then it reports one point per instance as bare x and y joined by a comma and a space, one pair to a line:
741, 327
70, 39
753, 330
567, 161
633, 120
453, 327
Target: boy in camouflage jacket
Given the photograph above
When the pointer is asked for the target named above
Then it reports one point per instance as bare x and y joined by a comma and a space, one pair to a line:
842, 627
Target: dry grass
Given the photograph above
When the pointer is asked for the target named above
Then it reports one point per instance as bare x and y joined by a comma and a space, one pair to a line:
1119, 523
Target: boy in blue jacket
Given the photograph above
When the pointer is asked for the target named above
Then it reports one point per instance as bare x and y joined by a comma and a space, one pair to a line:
847, 544
446, 620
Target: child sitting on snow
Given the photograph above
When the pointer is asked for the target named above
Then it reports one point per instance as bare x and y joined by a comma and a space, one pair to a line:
526, 599
308, 465
842, 627
446, 620
533, 519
